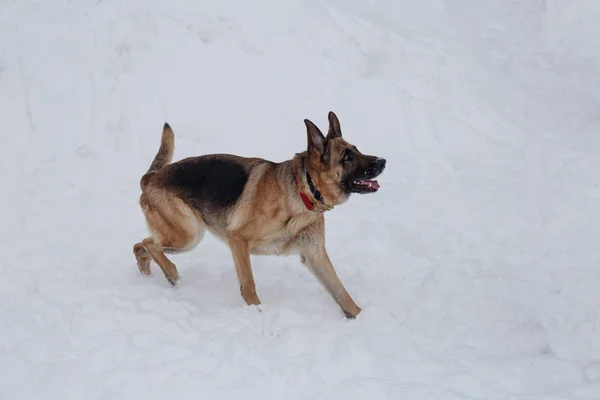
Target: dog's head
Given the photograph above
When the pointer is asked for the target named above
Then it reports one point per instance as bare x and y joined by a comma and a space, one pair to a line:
340, 168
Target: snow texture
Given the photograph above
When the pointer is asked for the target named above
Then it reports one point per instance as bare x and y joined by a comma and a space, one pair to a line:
476, 264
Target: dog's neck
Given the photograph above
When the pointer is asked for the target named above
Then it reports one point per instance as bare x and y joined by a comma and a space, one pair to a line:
315, 193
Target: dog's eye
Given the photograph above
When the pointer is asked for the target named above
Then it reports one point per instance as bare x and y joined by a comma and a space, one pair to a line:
347, 156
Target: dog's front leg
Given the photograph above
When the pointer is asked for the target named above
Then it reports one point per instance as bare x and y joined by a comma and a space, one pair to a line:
316, 259
241, 257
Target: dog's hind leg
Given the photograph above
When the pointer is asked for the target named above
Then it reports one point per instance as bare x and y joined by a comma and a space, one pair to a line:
156, 251
142, 257
174, 228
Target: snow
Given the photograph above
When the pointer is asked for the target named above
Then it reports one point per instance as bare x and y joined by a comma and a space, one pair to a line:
476, 263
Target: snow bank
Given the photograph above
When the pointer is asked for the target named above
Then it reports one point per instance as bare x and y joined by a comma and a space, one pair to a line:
475, 264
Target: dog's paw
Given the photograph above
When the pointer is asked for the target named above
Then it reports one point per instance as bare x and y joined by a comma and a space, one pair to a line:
250, 297
173, 280
352, 314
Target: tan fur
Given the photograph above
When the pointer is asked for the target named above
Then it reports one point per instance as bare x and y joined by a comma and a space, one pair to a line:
268, 218
164, 155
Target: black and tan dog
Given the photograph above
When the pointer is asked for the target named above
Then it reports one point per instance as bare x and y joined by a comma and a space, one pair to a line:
254, 205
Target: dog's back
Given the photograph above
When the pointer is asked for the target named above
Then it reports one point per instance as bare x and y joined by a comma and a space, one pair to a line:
210, 184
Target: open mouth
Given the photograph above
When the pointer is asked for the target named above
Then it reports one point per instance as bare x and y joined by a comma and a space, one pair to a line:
365, 186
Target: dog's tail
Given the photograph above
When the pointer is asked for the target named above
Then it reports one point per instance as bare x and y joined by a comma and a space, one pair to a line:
163, 157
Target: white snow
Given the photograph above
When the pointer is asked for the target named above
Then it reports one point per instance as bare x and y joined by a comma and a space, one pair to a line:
476, 263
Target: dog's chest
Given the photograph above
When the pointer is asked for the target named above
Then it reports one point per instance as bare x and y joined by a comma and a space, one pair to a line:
278, 247
282, 240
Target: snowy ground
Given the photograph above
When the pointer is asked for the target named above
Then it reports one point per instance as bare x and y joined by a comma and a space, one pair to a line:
476, 264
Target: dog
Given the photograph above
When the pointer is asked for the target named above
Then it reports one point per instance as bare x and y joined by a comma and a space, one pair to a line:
254, 205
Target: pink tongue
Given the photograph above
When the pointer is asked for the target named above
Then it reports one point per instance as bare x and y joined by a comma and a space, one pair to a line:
371, 184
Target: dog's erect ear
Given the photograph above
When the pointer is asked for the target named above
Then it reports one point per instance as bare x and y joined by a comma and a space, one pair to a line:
334, 126
316, 140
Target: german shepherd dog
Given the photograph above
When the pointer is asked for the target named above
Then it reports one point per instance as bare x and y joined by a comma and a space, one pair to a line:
254, 205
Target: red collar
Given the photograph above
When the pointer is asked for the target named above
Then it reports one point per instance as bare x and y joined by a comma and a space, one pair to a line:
309, 205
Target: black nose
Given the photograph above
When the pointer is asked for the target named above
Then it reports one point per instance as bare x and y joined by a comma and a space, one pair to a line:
379, 164
376, 167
